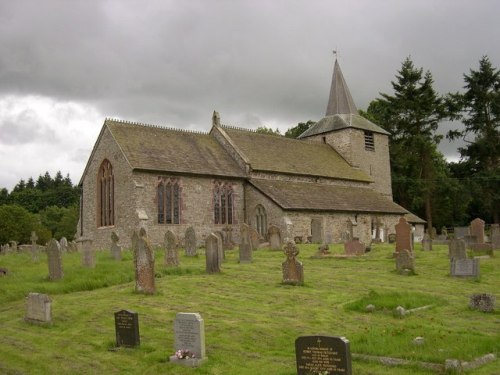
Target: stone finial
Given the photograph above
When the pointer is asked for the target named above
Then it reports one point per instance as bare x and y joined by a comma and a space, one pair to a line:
216, 119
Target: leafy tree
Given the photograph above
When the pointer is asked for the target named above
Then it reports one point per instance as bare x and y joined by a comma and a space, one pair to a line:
412, 115
479, 110
16, 224
299, 129
4, 196
266, 130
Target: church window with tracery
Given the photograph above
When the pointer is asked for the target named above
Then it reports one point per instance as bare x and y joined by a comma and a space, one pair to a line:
169, 201
105, 195
223, 203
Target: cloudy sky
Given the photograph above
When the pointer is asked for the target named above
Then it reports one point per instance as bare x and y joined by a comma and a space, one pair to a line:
67, 65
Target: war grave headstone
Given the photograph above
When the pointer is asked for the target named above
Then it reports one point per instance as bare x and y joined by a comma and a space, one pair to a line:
426, 242
144, 262
403, 236
495, 236
254, 238
212, 254
220, 247
63, 242
88, 253
456, 249
38, 309
405, 262
477, 229
115, 249
189, 340
482, 302
245, 245
354, 248
293, 271
127, 328
34, 246
464, 268
190, 242
54, 259
329, 355
171, 258
274, 235
460, 232
316, 230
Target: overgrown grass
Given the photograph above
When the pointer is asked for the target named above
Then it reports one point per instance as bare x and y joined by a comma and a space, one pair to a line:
251, 318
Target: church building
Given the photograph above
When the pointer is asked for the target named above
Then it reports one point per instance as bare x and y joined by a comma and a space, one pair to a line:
331, 183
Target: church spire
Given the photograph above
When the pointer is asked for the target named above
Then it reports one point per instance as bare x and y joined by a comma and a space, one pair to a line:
340, 101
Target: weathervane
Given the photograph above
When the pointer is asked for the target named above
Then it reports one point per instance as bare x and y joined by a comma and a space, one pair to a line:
336, 53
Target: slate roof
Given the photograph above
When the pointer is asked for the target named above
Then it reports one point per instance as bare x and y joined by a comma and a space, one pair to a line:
340, 100
320, 197
342, 121
414, 219
155, 148
271, 153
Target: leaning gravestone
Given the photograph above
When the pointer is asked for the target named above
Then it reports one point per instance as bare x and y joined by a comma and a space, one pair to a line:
403, 236
464, 268
189, 331
456, 249
220, 247
144, 263
212, 254
293, 271
245, 244
171, 256
274, 235
88, 253
127, 328
38, 309
426, 242
405, 262
116, 250
34, 246
354, 248
477, 229
329, 355
254, 238
190, 242
54, 258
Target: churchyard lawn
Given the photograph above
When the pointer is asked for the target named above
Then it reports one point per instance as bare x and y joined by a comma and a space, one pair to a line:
251, 318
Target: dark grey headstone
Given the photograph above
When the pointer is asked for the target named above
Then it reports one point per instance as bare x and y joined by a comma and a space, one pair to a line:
54, 258
127, 328
212, 254
323, 355
245, 244
317, 230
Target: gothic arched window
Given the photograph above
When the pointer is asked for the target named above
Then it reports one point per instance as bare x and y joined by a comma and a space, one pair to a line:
223, 203
169, 201
261, 220
105, 195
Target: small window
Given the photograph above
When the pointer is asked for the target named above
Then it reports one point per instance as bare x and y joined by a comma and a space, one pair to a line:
223, 203
168, 198
324, 139
369, 141
261, 220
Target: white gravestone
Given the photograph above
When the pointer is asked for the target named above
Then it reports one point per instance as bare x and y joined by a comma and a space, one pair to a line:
189, 331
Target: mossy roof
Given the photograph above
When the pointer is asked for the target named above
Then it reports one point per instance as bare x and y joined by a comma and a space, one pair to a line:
321, 197
272, 153
155, 148
342, 121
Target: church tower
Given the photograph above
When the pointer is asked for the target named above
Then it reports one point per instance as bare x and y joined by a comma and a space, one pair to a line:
360, 142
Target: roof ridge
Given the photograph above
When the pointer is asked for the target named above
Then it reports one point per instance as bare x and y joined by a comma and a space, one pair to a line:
155, 126
239, 128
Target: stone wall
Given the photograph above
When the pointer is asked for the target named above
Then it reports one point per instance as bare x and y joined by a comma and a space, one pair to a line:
253, 198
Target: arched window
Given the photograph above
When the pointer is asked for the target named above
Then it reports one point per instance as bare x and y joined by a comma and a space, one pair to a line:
223, 203
105, 195
169, 201
261, 220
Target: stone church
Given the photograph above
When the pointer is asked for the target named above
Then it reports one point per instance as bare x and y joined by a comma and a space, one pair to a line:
331, 183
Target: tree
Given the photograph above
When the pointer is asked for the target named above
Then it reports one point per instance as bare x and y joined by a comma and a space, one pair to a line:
412, 115
266, 130
299, 129
479, 110
16, 224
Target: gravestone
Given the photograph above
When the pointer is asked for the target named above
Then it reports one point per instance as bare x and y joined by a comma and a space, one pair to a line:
495, 236
245, 245
228, 238
460, 232
274, 235
34, 246
426, 242
391, 237
254, 238
38, 309
469, 240
13, 246
212, 254
456, 249
72, 247
477, 229
293, 271
171, 258
144, 262
54, 259
464, 268
482, 302
403, 236
127, 328
88, 253
317, 230
190, 242
354, 248
481, 247
63, 242
405, 262
220, 247
444, 232
116, 250
189, 332
329, 355
323, 251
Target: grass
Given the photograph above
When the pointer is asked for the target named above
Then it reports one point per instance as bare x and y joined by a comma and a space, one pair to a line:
251, 319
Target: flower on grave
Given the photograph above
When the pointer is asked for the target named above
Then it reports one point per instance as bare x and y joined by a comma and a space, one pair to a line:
184, 353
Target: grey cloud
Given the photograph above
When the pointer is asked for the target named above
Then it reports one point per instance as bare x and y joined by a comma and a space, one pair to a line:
24, 128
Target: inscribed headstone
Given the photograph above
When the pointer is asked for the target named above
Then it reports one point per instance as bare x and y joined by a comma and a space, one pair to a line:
317, 230
144, 263
38, 308
456, 249
293, 271
116, 250
127, 328
245, 245
274, 235
54, 258
212, 254
323, 355
477, 229
171, 257
189, 332
464, 267
403, 236
34, 246
190, 242
405, 261
354, 248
